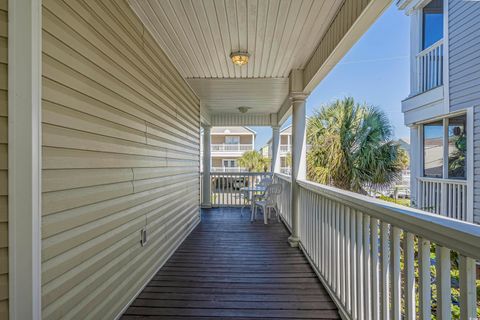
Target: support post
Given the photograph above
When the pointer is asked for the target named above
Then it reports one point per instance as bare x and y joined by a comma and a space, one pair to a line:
275, 149
207, 161
298, 161
24, 157
414, 165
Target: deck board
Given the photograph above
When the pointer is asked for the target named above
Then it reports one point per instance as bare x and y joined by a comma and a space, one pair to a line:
229, 268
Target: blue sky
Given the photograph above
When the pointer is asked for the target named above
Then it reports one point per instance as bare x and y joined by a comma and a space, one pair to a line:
375, 71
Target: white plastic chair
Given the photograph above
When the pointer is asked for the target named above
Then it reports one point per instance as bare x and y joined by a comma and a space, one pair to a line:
265, 182
267, 202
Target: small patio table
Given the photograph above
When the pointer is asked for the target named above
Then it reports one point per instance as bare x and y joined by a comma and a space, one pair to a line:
249, 193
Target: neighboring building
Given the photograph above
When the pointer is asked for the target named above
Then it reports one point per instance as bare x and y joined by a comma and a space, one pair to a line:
285, 149
443, 107
228, 145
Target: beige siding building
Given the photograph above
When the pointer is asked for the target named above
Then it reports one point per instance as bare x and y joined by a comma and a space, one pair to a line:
120, 151
228, 145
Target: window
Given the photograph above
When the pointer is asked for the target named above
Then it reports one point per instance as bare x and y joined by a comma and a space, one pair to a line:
232, 139
457, 147
432, 18
229, 163
451, 134
433, 149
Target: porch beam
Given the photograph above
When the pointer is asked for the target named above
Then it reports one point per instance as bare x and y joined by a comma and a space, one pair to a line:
24, 157
351, 22
207, 167
204, 114
285, 111
243, 119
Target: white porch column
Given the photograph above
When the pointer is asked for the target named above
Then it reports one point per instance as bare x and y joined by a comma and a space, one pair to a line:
24, 157
207, 164
275, 149
298, 161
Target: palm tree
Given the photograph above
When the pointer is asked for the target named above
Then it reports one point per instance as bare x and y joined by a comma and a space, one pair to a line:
254, 161
352, 147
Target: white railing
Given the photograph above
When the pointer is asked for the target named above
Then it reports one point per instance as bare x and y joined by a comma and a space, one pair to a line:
446, 197
286, 170
284, 200
226, 187
225, 147
430, 67
285, 148
228, 169
357, 245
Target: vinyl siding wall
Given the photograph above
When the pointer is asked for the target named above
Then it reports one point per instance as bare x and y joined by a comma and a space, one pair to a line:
464, 53
464, 73
120, 152
3, 160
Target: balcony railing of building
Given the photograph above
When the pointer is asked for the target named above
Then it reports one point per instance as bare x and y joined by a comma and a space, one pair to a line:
228, 169
226, 187
284, 148
429, 68
374, 257
234, 147
446, 197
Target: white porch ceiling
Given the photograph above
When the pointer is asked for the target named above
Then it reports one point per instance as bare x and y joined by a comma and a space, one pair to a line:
226, 95
198, 36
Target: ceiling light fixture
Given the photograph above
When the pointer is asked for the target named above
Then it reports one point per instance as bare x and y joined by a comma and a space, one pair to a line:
244, 109
239, 58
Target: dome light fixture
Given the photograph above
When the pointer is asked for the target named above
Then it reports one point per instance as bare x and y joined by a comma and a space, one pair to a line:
239, 58
244, 109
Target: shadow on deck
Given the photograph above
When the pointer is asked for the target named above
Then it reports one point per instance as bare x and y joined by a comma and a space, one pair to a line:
231, 268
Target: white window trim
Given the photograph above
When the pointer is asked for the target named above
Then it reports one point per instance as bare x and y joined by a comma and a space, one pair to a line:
470, 163
24, 157
228, 160
469, 118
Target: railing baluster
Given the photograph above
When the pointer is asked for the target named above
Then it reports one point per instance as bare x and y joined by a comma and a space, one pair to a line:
360, 264
342, 252
367, 267
348, 265
329, 243
443, 282
374, 236
396, 274
409, 271
468, 293
353, 262
385, 271
424, 278
336, 247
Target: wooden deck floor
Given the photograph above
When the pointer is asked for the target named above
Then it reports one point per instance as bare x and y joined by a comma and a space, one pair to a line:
230, 268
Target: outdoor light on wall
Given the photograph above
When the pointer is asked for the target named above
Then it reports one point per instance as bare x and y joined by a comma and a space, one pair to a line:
239, 58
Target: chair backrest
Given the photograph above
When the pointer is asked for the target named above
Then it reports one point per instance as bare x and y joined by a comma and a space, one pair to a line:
273, 190
265, 182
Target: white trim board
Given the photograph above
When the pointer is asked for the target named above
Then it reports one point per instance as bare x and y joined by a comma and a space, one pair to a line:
24, 157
